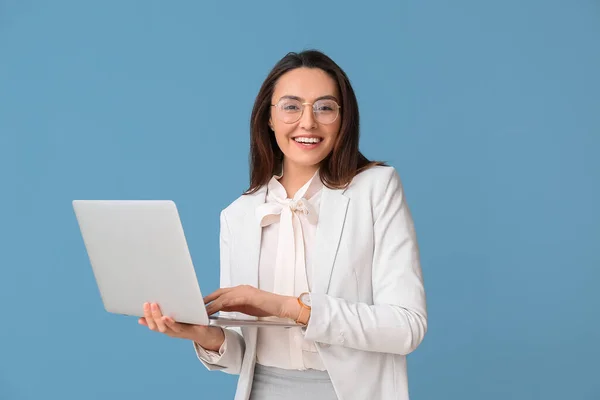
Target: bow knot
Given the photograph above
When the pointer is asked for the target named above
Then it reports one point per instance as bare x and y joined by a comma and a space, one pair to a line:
270, 212
299, 206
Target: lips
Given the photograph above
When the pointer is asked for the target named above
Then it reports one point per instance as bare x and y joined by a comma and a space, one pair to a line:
307, 139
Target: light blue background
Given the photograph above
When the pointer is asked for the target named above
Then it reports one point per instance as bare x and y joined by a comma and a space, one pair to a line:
489, 110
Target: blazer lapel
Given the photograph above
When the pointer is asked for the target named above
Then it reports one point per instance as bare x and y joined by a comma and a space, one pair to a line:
332, 214
252, 238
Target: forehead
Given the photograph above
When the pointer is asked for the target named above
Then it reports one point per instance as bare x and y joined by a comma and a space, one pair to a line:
307, 83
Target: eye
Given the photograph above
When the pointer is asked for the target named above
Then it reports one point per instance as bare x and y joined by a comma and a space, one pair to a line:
290, 106
325, 106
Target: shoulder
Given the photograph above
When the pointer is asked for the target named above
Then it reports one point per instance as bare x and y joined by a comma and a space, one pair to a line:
376, 188
240, 206
376, 180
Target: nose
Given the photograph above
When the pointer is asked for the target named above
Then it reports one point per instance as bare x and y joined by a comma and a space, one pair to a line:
307, 121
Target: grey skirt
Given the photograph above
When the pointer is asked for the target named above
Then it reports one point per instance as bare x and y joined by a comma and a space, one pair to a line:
272, 383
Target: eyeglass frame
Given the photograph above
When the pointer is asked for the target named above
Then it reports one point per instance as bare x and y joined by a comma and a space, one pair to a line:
313, 110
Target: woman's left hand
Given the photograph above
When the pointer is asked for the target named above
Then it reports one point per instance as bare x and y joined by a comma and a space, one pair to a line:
252, 301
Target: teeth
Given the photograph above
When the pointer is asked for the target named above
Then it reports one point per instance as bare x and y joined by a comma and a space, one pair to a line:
307, 140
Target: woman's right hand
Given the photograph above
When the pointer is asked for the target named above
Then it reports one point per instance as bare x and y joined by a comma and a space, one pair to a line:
209, 337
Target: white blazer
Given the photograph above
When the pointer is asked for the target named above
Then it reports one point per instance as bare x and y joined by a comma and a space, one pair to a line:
368, 301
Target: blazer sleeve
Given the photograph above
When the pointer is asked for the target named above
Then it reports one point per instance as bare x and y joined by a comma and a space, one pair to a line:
397, 321
230, 355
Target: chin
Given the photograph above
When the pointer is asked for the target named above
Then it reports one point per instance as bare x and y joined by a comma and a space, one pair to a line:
306, 161
306, 157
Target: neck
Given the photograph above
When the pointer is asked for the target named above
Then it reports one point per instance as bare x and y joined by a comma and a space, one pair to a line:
295, 176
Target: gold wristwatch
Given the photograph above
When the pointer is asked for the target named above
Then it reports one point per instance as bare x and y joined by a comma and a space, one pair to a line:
305, 304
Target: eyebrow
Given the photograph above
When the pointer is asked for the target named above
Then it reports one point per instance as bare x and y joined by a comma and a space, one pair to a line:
326, 97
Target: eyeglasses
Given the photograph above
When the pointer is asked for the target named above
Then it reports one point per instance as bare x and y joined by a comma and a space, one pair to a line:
289, 110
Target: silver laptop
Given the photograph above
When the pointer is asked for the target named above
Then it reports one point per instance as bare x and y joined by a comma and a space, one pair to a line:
138, 253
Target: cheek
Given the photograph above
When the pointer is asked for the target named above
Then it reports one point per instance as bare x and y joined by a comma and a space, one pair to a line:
332, 133
281, 135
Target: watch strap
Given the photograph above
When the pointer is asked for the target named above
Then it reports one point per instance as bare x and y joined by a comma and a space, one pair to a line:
304, 315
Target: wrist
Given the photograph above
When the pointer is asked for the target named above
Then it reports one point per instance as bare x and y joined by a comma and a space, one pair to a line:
210, 337
291, 308
304, 300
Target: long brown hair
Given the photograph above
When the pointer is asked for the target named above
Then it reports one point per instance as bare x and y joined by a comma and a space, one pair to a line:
345, 160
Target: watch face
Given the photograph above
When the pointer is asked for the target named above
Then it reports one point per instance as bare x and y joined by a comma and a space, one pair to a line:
305, 298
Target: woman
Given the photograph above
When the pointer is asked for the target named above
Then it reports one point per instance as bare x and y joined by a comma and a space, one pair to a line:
322, 236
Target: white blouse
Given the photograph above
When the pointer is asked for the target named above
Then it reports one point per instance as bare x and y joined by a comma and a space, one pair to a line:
286, 268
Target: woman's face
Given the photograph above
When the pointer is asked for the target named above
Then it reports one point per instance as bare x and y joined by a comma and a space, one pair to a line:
306, 142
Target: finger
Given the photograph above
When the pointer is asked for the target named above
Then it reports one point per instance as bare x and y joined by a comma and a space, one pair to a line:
217, 304
142, 321
172, 325
225, 303
216, 294
148, 316
157, 314
210, 308
214, 307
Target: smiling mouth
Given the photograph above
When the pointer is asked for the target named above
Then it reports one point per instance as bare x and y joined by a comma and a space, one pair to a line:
308, 140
